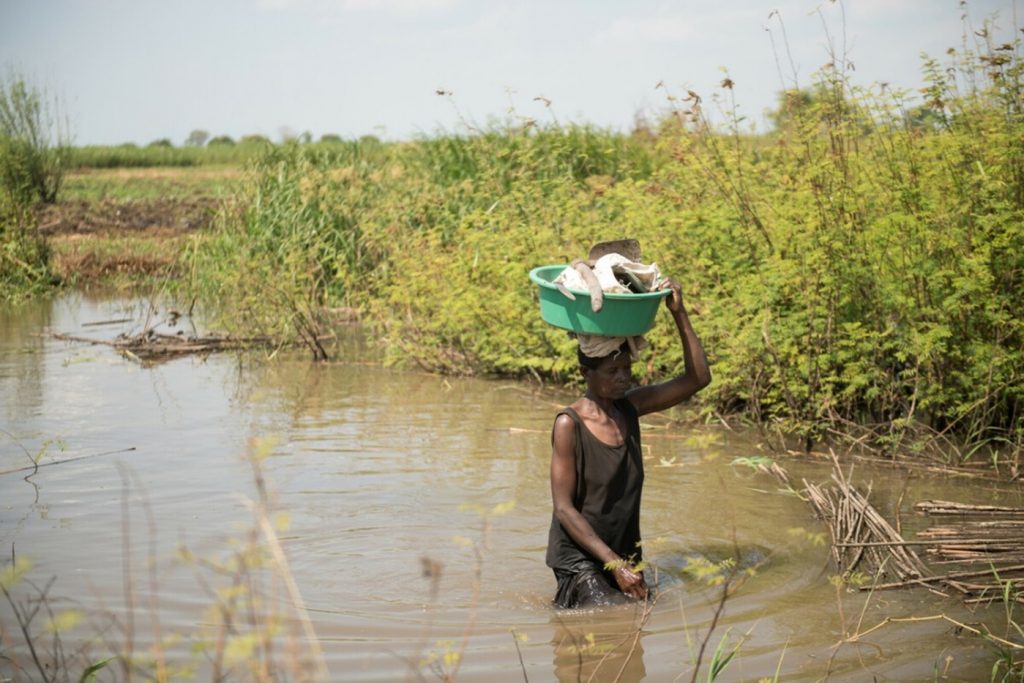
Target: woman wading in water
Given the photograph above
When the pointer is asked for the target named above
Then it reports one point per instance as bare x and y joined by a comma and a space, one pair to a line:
597, 471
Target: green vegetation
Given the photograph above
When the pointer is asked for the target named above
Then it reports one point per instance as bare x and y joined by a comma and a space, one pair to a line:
33, 157
160, 183
162, 153
219, 151
24, 255
856, 273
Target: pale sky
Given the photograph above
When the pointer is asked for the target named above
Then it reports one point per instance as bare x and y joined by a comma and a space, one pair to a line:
139, 70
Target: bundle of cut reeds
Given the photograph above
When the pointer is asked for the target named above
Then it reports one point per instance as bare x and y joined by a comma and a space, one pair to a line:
987, 554
860, 534
988, 536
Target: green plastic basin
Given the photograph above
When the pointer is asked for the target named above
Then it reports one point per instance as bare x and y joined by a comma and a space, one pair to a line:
623, 315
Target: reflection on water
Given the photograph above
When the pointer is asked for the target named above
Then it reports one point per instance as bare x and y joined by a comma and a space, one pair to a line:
418, 509
599, 646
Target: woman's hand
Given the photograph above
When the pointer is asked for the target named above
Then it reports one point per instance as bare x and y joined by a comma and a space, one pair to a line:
674, 301
631, 582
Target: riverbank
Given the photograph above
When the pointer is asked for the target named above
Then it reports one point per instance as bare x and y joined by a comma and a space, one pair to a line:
126, 228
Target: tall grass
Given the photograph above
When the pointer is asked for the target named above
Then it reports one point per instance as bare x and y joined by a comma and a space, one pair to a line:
33, 151
290, 246
33, 143
24, 255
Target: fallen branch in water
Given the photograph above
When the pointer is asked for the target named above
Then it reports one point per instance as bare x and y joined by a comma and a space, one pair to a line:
150, 345
61, 462
937, 617
946, 577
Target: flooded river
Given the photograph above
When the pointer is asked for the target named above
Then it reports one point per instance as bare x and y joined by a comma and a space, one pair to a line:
412, 511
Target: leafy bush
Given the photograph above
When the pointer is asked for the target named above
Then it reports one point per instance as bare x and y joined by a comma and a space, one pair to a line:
877, 264
255, 140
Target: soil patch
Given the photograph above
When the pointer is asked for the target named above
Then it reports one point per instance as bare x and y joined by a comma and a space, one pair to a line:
81, 259
79, 216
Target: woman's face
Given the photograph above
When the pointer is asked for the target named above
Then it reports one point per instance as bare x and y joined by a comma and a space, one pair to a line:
612, 378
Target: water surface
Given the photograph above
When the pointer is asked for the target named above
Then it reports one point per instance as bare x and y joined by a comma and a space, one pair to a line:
417, 509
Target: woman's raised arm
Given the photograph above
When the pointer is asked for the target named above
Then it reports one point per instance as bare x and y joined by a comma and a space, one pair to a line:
696, 373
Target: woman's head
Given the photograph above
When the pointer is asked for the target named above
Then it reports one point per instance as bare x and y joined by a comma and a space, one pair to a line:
608, 376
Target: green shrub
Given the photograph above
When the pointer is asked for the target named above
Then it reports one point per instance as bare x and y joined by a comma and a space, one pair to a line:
255, 140
24, 254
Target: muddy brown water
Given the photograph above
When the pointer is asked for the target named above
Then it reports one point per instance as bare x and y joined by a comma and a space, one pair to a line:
383, 475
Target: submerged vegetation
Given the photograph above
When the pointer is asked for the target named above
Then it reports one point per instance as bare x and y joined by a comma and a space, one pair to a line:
855, 274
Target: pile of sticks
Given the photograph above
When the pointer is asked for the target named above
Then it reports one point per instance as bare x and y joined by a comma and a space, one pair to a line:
860, 535
981, 556
988, 537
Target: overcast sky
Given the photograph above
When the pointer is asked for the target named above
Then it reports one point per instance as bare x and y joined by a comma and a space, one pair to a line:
139, 70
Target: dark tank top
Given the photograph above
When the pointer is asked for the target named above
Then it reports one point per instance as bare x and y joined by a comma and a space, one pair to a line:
609, 480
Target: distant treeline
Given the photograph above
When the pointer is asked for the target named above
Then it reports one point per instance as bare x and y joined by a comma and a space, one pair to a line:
856, 274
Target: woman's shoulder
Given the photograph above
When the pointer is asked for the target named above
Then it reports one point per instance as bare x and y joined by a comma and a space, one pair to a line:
565, 427
570, 417
567, 416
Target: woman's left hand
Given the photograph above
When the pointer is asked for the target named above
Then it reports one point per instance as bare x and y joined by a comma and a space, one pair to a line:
673, 301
